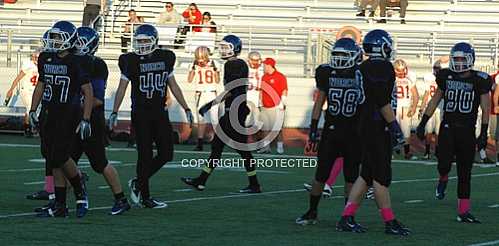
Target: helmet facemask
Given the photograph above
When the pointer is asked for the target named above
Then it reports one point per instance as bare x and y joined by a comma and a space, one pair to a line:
461, 61
57, 40
342, 59
144, 44
226, 50
82, 46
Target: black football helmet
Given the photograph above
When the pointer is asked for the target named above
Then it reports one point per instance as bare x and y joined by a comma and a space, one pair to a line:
345, 54
145, 39
462, 57
62, 36
87, 41
378, 43
231, 45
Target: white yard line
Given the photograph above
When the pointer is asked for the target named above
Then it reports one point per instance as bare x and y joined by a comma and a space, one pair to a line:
496, 242
259, 194
34, 183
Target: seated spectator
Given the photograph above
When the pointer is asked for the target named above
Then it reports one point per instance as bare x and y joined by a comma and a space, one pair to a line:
208, 24
363, 5
126, 37
384, 3
170, 16
193, 16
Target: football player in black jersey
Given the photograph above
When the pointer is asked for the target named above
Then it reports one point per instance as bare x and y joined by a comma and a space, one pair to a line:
340, 82
61, 80
463, 90
95, 146
150, 70
235, 83
380, 132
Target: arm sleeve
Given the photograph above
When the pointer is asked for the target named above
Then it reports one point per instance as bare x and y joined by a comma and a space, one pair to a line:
123, 64
41, 72
440, 80
383, 92
85, 70
321, 78
485, 85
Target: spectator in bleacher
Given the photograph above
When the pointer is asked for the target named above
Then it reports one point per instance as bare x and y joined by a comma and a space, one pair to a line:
363, 6
170, 16
208, 24
92, 9
403, 8
274, 91
126, 36
193, 16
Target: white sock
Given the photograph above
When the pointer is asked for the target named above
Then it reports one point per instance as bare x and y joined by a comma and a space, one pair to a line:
280, 145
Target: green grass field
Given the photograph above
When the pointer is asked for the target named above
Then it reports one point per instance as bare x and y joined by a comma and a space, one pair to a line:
219, 216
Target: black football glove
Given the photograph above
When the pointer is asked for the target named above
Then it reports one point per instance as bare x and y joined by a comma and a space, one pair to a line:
481, 141
313, 135
190, 117
33, 119
421, 129
205, 108
112, 122
396, 134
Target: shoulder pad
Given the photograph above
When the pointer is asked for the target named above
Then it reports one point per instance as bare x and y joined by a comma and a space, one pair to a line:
482, 75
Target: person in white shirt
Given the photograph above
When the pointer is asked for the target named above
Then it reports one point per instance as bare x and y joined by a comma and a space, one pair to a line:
254, 80
27, 79
170, 16
205, 75
433, 125
407, 100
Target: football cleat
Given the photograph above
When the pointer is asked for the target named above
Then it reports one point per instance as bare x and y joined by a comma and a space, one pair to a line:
39, 195
81, 208
467, 218
440, 190
309, 218
45, 207
326, 193
120, 206
55, 210
153, 203
134, 191
427, 156
487, 161
264, 150
251, 189
347, 223
370, 193
193, 182
394, 227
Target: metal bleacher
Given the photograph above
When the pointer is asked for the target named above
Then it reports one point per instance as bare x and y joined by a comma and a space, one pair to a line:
287, 30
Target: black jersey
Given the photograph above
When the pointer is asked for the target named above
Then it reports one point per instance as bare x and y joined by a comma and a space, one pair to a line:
62, 78
149, 76
235, 80
99, 77
379, 88
344, 91
462, 95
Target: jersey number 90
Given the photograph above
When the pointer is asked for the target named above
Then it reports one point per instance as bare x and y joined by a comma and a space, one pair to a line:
459, 100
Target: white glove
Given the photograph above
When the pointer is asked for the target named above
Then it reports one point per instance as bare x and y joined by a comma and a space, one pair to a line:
190, 117
33, 119
85, 129
112, 122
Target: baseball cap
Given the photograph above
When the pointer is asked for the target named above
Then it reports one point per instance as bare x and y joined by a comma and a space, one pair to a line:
269, 61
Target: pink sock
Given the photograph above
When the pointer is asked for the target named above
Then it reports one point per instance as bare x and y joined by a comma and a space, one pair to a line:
49, 184
444, 178
350, 209
463, 205
387, 214
335, 171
